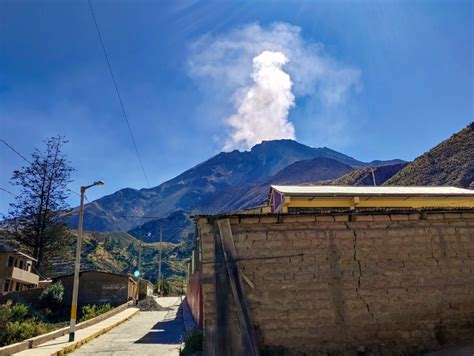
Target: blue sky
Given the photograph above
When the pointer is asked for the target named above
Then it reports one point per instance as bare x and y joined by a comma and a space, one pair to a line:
405, 69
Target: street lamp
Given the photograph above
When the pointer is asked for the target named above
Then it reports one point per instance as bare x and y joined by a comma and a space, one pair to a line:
77, 265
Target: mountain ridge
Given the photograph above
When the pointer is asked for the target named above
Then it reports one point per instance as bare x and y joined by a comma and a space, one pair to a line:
191, 190
451, 162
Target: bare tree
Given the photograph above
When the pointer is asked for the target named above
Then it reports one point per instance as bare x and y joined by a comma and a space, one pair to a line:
37, 215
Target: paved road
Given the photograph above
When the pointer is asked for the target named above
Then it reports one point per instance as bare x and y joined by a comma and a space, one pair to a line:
148, 333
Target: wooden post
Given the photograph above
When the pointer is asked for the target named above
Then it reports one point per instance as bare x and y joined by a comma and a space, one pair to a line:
221, 335
230, 255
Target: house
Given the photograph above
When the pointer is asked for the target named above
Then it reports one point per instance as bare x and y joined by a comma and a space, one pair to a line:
16, 273
337, 270
97, 287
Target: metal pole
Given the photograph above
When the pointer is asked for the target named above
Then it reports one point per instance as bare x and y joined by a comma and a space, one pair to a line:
77, 267
139, 271
160, 289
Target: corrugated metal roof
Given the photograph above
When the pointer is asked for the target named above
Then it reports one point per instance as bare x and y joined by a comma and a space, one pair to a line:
332, 190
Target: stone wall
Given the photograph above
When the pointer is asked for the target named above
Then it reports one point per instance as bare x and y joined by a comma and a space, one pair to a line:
347, 283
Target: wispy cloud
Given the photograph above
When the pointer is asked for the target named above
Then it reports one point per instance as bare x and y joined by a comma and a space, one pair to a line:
224, 68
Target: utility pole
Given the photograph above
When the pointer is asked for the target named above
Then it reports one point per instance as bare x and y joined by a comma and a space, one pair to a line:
160, 289
77, 264
139, 271
373, 175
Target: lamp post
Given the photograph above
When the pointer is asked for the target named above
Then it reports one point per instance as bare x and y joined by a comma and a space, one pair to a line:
77, 265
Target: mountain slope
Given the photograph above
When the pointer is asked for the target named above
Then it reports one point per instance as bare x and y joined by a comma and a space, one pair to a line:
449, 163
310, 170
363, 176
252, 195
175, 228
195, 189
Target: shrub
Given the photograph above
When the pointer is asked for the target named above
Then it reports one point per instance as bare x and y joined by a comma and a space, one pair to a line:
91, 311
17, 331
52, 297
16, 323
192, 343
12, 312
19, 312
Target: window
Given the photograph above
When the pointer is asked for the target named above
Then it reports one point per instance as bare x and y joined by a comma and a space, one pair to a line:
10, 261
21, 264
17, 287
6, 285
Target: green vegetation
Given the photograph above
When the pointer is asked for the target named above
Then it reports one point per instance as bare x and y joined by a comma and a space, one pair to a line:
52, 297
91, 311
17, 323
20, 321
192, 343
118, 252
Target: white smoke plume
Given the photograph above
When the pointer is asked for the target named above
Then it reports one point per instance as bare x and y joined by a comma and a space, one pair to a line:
263, 111
252, 76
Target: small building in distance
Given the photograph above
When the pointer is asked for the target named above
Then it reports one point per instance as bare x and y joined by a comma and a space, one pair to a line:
145, 289
16, 270
96, 287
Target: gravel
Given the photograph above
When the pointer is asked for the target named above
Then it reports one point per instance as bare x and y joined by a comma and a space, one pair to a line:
150, 304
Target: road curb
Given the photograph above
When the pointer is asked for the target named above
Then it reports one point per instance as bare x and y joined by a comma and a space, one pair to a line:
79, 343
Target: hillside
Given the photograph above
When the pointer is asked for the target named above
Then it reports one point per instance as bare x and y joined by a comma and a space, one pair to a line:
449, 163
177, 227
363, 176
310, 170
252, 195
118, 252
195, 190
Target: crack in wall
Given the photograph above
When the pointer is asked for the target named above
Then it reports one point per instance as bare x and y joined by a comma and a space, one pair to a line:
360, 276
432, 252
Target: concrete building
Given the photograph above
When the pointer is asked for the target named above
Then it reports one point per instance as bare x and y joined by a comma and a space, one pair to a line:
16, 273
326, 273
97, 287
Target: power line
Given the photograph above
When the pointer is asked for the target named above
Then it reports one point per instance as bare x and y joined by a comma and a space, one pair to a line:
11, 148
76, 193
142, 217
125, 116
7, 191
25, 159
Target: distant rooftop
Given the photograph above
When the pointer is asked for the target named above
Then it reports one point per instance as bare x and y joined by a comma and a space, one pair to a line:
330, 190
4, 248
290, 198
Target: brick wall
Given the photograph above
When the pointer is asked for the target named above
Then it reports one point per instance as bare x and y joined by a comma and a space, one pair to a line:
328, 283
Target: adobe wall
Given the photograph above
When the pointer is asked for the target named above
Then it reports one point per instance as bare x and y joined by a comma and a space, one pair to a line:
97, 288
194, 298
363, 282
